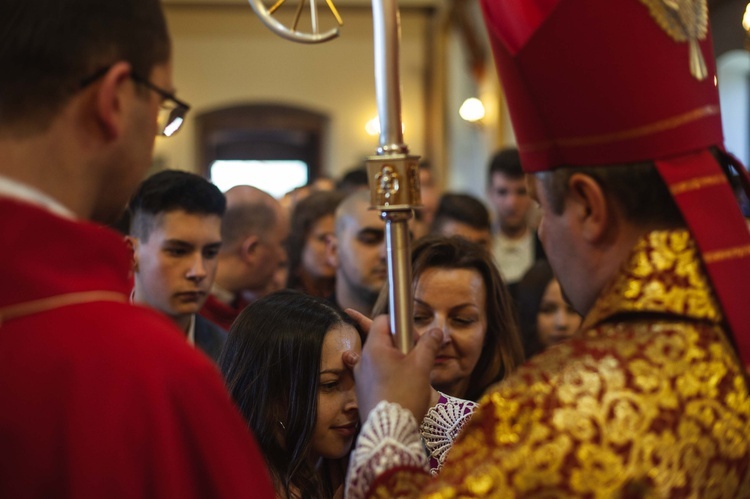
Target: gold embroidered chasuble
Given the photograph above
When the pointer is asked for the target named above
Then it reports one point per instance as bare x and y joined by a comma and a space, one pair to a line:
649, 401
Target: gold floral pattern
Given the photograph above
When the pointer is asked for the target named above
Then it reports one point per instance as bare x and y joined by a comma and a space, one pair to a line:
650, 401
663, 275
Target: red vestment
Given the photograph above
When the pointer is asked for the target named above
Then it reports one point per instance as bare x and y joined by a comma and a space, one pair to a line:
99, 398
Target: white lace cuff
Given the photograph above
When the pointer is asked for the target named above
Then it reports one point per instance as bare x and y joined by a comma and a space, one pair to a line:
441, 426
389, 439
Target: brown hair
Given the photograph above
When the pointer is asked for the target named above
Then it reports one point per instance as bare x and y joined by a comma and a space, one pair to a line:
502, 351
304, 216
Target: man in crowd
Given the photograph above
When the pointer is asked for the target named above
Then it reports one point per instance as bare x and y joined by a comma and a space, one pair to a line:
99, 398
252, 259
175, 232
462, 215
515, 245
642, 229
430, 196
357, 251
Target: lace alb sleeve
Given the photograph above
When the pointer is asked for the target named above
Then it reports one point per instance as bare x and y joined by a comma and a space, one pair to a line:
441, 426
389, 439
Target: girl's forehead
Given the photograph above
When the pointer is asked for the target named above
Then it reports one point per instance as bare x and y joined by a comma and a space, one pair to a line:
338, 340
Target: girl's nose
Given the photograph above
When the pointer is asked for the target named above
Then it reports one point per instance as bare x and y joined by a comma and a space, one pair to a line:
351, 401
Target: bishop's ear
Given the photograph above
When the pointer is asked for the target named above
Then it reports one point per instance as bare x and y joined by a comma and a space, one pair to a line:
589, 207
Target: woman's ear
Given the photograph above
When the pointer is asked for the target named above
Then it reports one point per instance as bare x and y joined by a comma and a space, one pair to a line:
590, 209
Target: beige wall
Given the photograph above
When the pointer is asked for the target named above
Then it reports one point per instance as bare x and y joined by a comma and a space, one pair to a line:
225, 55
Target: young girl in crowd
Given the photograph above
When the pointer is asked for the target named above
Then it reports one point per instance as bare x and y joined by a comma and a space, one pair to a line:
546, 317
312, 225
284, 369
283, 366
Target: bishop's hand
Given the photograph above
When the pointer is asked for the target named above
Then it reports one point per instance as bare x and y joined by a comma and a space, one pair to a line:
384, 373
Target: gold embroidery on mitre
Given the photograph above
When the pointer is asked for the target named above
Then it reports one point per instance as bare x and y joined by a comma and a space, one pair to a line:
660, 126
697, 183
726, 254
684, 21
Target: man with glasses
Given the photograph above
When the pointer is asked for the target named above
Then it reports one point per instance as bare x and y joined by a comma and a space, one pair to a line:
99, 398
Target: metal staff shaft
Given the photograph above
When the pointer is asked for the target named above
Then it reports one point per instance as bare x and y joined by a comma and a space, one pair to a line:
399, 278
387, 31
393, 173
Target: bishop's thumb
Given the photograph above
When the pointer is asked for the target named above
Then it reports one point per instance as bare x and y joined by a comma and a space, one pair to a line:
427, 348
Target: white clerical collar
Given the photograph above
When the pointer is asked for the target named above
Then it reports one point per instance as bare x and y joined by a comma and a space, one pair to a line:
23, 192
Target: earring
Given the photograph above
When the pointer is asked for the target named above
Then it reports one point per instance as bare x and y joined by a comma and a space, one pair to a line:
282, 425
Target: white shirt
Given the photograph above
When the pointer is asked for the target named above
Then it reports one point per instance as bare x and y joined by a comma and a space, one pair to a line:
191, 331
513, 256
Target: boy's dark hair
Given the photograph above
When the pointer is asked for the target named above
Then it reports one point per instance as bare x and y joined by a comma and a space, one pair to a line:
48, 47
462, 208
507, 162
171, 190
353, 179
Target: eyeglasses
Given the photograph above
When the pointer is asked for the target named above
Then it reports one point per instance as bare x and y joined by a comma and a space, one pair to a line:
172, 110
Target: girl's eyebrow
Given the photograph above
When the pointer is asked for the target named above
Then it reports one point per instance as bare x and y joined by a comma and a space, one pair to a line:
456, 307
332, 371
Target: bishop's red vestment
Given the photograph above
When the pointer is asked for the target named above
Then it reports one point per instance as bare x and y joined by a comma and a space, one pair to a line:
650, 401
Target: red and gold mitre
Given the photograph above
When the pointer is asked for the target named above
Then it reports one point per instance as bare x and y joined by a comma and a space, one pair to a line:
603, 82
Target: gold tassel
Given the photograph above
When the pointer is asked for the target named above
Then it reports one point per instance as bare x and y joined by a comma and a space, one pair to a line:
697, 63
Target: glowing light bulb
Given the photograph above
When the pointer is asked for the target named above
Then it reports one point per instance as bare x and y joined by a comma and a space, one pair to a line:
472, 110
373, 126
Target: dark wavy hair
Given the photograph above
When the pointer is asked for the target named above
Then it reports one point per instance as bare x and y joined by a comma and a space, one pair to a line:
271, 363
502, 351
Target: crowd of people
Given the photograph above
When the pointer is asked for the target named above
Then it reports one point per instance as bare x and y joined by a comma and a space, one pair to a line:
584, 336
